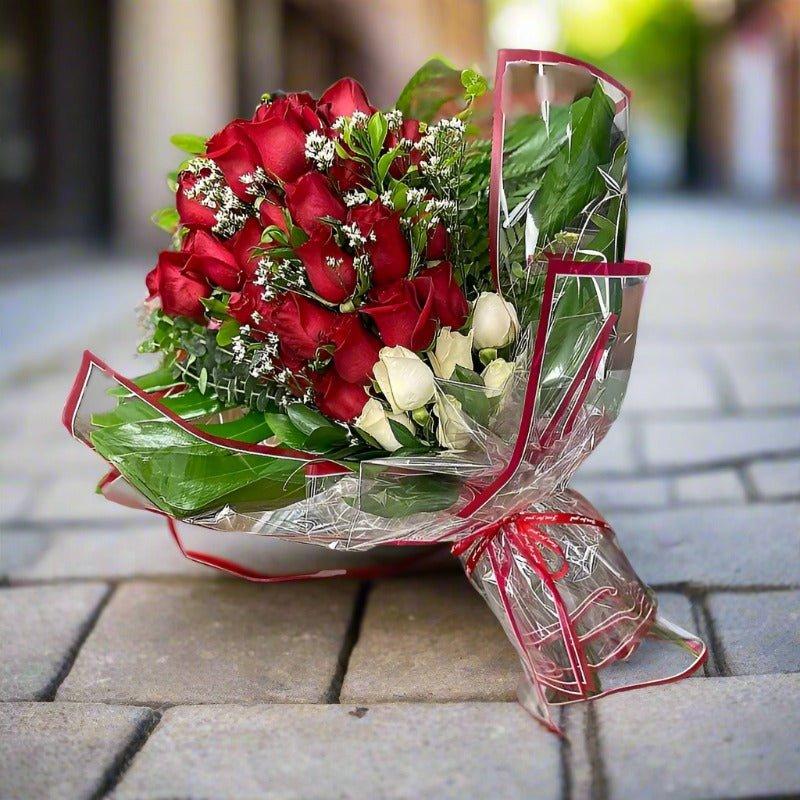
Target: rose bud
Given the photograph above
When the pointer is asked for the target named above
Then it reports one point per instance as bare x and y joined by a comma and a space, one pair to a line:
494, 322
410, 132
243, 244
449, 304
497, 373
281, 145
374, 421
330, 270
209, 257
192, 213
386, 244
438, 243
405, 380
403, 314
336, 398
452, 431
309, 199
236, 156
342, 99
348, 174
356, 349
270, 212
303, 325
451, 349
180, 290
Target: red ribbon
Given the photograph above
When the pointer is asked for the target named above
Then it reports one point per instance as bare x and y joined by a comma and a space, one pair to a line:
524, 531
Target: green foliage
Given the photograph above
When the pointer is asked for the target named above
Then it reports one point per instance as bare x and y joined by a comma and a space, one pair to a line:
167, 219
190, 143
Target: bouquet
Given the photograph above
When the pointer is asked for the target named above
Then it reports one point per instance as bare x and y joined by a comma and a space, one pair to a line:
404, 327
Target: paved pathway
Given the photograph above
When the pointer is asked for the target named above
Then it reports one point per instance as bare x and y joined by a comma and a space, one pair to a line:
129, 671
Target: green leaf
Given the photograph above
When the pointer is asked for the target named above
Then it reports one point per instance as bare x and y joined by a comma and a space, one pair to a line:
187, 405
464, 375
202, 380
435, 83
189, 143
307, 420
377, 128
385, 161
172, 181
227, 331
251, 428
287, 433
167, 219
324, 440
474, 84
404, 436
396, 496
161, 378
215, 307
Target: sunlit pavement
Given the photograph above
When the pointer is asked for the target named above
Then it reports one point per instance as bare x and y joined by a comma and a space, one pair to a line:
127, 668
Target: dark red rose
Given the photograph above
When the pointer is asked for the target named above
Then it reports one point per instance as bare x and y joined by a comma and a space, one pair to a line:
298, 106
450, 306
348, 174
243, 244
330, 270
192, 213
336, 397
309, 199
303, 325
342, 99
356, 349
389, 250
438, 243
180, 289
281, 145
271, 212
410, 131
248, 307
235, 155
403, 314
209, 257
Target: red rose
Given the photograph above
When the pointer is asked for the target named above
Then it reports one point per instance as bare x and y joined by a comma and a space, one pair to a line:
209, 257
342, 99
192, 213
356, 349
348, 174
449, 304
235, 155
179, 289
309, 199
243, 243
408, 130
330, 270
281, 145
389, 250
271, 212
303, 325
438, 243
336, 398
403, 314
248, 307
298, 106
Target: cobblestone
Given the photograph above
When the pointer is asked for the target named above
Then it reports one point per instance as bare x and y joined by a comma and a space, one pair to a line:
776, 480
722, 485
625, 494
410, 750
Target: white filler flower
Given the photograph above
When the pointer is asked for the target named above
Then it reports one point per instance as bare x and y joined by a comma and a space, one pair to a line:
404, 378
374, 421
494, 323
451, 349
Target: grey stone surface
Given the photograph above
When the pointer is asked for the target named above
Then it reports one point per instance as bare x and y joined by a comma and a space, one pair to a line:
453, 750
759, 632
20, 548
654, 388
775, 480
213, 642
718, 737
430, 640
714, 545
763, 376
74, 498
685, 443
719, 485
613, 456
63, 750
624, 494
16, 496
40, 627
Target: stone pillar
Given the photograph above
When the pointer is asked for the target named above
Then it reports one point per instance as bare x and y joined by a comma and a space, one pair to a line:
173, 71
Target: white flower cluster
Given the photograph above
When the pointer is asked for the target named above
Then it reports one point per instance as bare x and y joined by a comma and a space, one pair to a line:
238, 344
320, 149
256, 182
285, 273
354, 198
394, 118
440, 209
354, 236
210, 190
415, 196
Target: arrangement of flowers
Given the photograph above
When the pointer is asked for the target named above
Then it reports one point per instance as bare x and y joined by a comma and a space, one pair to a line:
402, 326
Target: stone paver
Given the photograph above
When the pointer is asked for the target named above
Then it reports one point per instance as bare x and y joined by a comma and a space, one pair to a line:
214, 642
40, 627
686, 443
624, 494
654, 387
763, 377
429, 641
714, 545
74, 498
776, 480
758, 633
16, 497
717, 486
718, 737
63, 750
613, 456
453, 750
19, 548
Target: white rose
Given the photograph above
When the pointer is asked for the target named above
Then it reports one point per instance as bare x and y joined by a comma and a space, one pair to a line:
452, 431
404, 378
374, 421
451, 349
497, 373
494, 322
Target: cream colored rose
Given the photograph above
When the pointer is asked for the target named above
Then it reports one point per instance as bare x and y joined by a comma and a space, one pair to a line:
404, 378
451, 349
494, 322
374, 421
452, 431
497, 373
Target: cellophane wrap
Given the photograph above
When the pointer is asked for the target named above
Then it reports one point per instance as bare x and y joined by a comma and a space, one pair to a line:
546, 562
